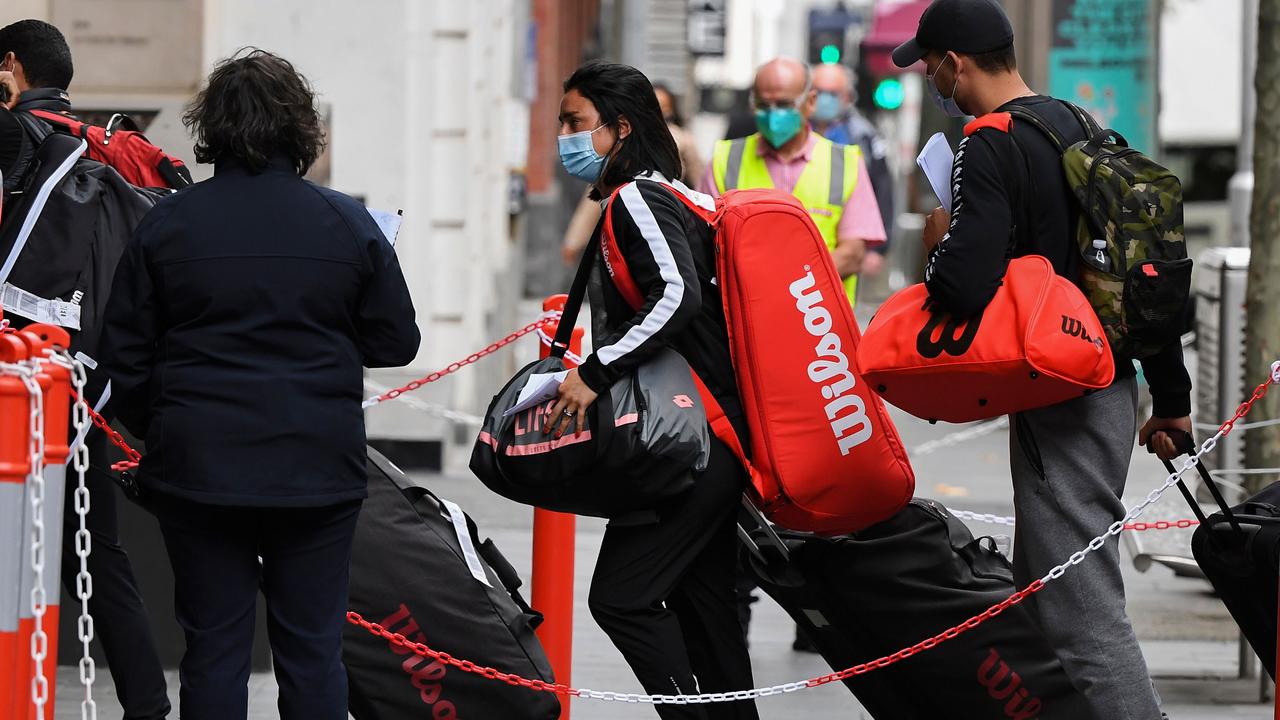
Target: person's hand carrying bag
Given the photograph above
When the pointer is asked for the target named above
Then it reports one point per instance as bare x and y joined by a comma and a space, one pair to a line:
642, 441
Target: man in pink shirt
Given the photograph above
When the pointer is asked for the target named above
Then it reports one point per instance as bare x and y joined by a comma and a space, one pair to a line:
831, 180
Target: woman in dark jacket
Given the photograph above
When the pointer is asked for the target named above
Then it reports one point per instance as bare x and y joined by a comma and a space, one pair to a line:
239, 321
664, 585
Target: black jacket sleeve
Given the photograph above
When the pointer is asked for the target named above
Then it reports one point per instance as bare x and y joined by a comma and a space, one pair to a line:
388, 336
131, 328
1169, 381
649, 225
965, 269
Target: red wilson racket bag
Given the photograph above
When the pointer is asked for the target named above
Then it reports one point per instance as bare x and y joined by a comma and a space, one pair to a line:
825, 457
1037, 343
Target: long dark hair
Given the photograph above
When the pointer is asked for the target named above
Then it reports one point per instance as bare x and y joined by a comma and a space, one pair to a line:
256, 105
623, 91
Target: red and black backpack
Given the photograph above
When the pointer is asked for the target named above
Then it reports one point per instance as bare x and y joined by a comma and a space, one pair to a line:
123, 147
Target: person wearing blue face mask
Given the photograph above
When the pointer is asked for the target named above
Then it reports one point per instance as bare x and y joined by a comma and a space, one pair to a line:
1069, 462
663, 588
785, 153
836, 119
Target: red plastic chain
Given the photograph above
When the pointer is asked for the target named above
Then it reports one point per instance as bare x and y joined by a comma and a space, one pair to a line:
930, 643
414, 385
1258, 393
1016, 598
1161, 525
464, 665
134, 457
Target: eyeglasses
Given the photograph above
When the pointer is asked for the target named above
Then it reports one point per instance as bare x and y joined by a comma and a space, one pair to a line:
761, 105
777, 104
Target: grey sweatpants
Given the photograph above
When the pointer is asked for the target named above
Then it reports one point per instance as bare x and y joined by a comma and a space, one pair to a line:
1069, 463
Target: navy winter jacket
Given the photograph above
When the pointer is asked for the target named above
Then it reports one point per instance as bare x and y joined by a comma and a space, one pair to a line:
239, 320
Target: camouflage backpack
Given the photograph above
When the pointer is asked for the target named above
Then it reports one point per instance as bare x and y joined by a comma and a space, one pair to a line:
1134, 270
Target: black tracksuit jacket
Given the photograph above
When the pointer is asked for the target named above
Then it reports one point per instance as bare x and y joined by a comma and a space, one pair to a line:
670, 252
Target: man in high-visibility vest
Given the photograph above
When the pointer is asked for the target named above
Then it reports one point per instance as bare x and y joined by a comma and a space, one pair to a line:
828, 178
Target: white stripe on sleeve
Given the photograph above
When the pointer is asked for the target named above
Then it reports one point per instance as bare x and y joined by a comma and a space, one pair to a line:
672, 295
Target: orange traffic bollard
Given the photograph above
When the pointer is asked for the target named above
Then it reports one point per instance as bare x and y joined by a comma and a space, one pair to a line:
15, 464
553, 551
55, 385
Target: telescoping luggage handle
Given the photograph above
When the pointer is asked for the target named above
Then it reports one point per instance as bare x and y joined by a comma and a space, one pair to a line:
1183, 441
767, 545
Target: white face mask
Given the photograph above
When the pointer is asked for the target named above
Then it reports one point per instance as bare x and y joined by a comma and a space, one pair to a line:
946, 104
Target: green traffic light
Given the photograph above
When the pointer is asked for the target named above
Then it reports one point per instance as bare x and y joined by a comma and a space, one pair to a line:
889, 94
830, 54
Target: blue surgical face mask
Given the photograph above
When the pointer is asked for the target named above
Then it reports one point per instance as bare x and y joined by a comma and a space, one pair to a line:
579, 157
827, 108
779, 124
948, 104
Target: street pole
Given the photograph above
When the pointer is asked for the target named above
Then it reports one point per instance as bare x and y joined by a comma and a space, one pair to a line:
1262, 344
1240, 188
553, 553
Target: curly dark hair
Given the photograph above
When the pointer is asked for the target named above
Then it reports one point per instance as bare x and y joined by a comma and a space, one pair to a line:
254, 106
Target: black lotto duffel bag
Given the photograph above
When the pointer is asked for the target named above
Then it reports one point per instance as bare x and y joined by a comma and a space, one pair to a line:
418, 568
643, 436
864, 596
1238, 548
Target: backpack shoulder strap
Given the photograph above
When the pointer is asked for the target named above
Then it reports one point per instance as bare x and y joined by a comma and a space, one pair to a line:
36, 128
63, 123
1033, 119
58, 154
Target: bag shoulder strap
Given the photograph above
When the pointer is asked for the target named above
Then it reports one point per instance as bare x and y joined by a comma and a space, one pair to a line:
577, 292
1034, 119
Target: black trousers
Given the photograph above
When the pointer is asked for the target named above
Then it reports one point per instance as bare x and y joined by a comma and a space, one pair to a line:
120, 619
664, 594
303, 574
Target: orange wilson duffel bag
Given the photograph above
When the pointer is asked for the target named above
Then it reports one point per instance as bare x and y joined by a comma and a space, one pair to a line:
1037, 343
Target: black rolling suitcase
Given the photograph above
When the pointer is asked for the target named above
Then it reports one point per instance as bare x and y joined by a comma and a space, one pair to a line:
416, 569
1238, 548
863, 596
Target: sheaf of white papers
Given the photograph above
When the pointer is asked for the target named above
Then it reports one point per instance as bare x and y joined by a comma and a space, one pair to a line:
935, 160
388, 222
539, 388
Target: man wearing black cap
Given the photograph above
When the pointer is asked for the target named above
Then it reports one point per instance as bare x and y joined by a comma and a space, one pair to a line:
1069, 461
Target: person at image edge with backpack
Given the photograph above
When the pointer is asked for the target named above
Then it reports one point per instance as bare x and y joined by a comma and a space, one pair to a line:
1069, 461
38, 56
35, 69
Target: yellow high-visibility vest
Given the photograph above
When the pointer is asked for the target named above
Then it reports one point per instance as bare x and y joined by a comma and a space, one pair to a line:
824, 187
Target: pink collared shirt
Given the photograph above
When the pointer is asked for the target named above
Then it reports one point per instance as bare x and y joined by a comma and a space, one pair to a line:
861, 218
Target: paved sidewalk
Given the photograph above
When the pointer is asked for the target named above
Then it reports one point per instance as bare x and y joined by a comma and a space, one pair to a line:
1189, 640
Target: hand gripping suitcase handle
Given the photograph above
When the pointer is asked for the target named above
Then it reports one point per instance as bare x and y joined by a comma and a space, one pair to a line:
1183, 441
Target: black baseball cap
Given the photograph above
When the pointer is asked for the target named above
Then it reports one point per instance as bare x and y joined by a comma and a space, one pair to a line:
964, 26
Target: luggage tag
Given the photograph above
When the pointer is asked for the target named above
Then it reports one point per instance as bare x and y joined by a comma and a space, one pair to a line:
29, 305
459, 520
